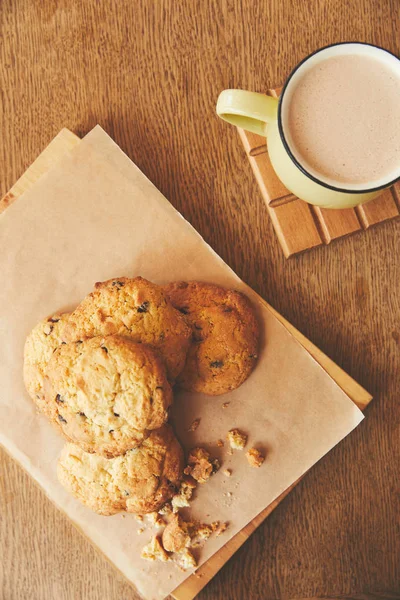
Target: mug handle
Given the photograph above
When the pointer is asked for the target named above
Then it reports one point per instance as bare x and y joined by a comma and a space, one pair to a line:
248, 110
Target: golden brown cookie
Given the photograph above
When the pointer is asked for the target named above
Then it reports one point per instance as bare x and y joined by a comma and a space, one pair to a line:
140, 481
40, 344
225, 336
136, 308
105, 392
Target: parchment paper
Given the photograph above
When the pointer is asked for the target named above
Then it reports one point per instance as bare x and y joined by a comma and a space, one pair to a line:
96, 216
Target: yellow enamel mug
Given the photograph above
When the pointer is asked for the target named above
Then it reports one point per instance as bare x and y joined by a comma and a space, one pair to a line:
267, 116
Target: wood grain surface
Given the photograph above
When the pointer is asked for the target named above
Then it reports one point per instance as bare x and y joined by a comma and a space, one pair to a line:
150, 73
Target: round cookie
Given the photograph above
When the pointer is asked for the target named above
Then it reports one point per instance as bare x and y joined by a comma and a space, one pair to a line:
40, 344
106, 392
225, 336
140, 481
136, 308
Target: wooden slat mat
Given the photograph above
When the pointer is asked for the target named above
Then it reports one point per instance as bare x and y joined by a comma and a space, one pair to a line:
301, 226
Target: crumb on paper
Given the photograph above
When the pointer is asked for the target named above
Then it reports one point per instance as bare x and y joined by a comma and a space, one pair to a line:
237, 439
227, 472
200, 466
225, 404
220, 443
176, 537
155, 519
199, 532
154, 550
185, 560
194, 425
219, 527
181, 499
140, 531
166, 509
139, 518
123, 516
255, 457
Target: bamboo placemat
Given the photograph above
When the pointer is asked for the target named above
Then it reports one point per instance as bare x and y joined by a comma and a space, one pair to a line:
300, 226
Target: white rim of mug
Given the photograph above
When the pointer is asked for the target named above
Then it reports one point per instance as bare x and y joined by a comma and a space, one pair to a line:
286, 145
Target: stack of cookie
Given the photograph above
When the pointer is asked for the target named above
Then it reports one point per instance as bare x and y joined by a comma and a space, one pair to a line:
103, 375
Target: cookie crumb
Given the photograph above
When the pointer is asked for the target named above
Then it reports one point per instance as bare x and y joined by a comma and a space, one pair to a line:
227, 472
181, 499
255, 457
140, 530
155, 519
139, 518
194, 425
200, 532
186, 560
225, 404
166, 509
220, 443
154, 550
200, 467
219, 527
175, 537
237, 439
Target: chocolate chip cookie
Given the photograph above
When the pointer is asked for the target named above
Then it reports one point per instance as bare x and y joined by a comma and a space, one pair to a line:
225, 336
40, 344
136, 308
140, 481
105, 393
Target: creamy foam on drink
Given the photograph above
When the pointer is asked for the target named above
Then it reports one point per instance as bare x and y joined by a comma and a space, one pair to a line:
344, 120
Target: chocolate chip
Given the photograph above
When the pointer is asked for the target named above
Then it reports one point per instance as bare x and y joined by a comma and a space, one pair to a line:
82, 414
62, 343
116, 415
79, 342
151, 400
59, 399
184, 310
105, 349
216, 364
118, 283
53, 320
61, 418
111, 431
227, 309
126, 493
143, 307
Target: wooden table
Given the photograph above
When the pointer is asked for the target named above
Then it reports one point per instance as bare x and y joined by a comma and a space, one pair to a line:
150, 74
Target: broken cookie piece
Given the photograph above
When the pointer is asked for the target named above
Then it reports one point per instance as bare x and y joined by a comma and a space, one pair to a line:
155, 519
236, 439
186, 560
219, 527
194, 425
255, 457
154, 550
166, 509
200, 466
176, 537
181, 499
